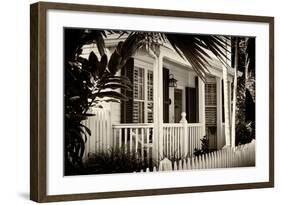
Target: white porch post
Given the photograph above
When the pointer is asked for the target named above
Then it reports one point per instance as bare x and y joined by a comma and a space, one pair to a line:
229, 98
227, 95
226, 107
159, 101
155, 111
219, 112
201, 90
157, 149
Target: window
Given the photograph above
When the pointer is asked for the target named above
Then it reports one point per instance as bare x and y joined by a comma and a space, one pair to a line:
211, 102
210, 97
149, 96
143, 95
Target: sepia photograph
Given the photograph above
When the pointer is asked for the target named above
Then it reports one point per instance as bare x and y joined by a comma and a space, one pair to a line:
140, 101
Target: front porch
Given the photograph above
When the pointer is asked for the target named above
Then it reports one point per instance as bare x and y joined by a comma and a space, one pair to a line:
160, 120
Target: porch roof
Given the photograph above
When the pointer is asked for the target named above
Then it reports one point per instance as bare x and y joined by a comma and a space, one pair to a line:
170, 55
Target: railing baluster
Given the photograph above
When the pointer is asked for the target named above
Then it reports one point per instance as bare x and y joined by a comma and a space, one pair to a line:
131, 143
173, 142
126, 138
103, 132
97, 131
164, 141
178, 144
142, 144
120, 138
147, 145
194, 139
197, 138
137, 139
170, 140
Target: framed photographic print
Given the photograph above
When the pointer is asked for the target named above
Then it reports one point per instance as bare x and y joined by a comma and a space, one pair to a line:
134, 102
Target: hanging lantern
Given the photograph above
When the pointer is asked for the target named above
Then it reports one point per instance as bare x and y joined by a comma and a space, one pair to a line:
172, 81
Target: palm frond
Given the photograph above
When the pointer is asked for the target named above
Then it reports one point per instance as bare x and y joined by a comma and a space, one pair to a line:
193, 48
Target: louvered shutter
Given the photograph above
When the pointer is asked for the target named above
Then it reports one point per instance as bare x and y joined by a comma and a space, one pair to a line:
222, 91
211, 103
127, 106
166, 101
149, 96
138, 95
192, 101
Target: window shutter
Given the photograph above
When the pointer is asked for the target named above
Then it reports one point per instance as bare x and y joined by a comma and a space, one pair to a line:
222, 91
192, 100
138, 95
166, 101
127, 106
211, 103
197, 100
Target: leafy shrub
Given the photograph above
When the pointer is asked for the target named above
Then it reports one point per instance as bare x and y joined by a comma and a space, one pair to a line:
113, 161
244, 133
204, 147
87, 81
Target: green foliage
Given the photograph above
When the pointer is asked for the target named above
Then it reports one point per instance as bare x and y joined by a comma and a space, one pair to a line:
113, 161
245, 107
192, 48
88, 82
204, 147
244, 133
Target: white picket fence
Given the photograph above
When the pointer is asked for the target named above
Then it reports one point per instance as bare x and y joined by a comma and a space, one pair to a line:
240, 156
101, 131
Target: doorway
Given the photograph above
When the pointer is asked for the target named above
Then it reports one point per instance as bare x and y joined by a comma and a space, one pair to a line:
177, 104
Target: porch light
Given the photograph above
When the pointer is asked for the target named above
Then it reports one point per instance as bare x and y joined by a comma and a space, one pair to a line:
172, 81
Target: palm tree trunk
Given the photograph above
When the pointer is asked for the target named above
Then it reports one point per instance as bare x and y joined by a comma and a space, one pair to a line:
234, 96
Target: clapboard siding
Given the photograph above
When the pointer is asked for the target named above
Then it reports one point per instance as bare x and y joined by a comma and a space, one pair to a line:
186, 78
115, 113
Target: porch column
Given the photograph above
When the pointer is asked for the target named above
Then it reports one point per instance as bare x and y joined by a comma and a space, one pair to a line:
160, 103
227, 93
201, 91
219, 112
226, 107
229, 99
157, 150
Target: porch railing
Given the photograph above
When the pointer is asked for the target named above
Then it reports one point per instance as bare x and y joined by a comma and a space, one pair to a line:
134, 138
175, 140
180, 139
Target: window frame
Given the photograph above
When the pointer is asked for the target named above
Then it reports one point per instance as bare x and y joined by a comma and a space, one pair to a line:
147, 67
